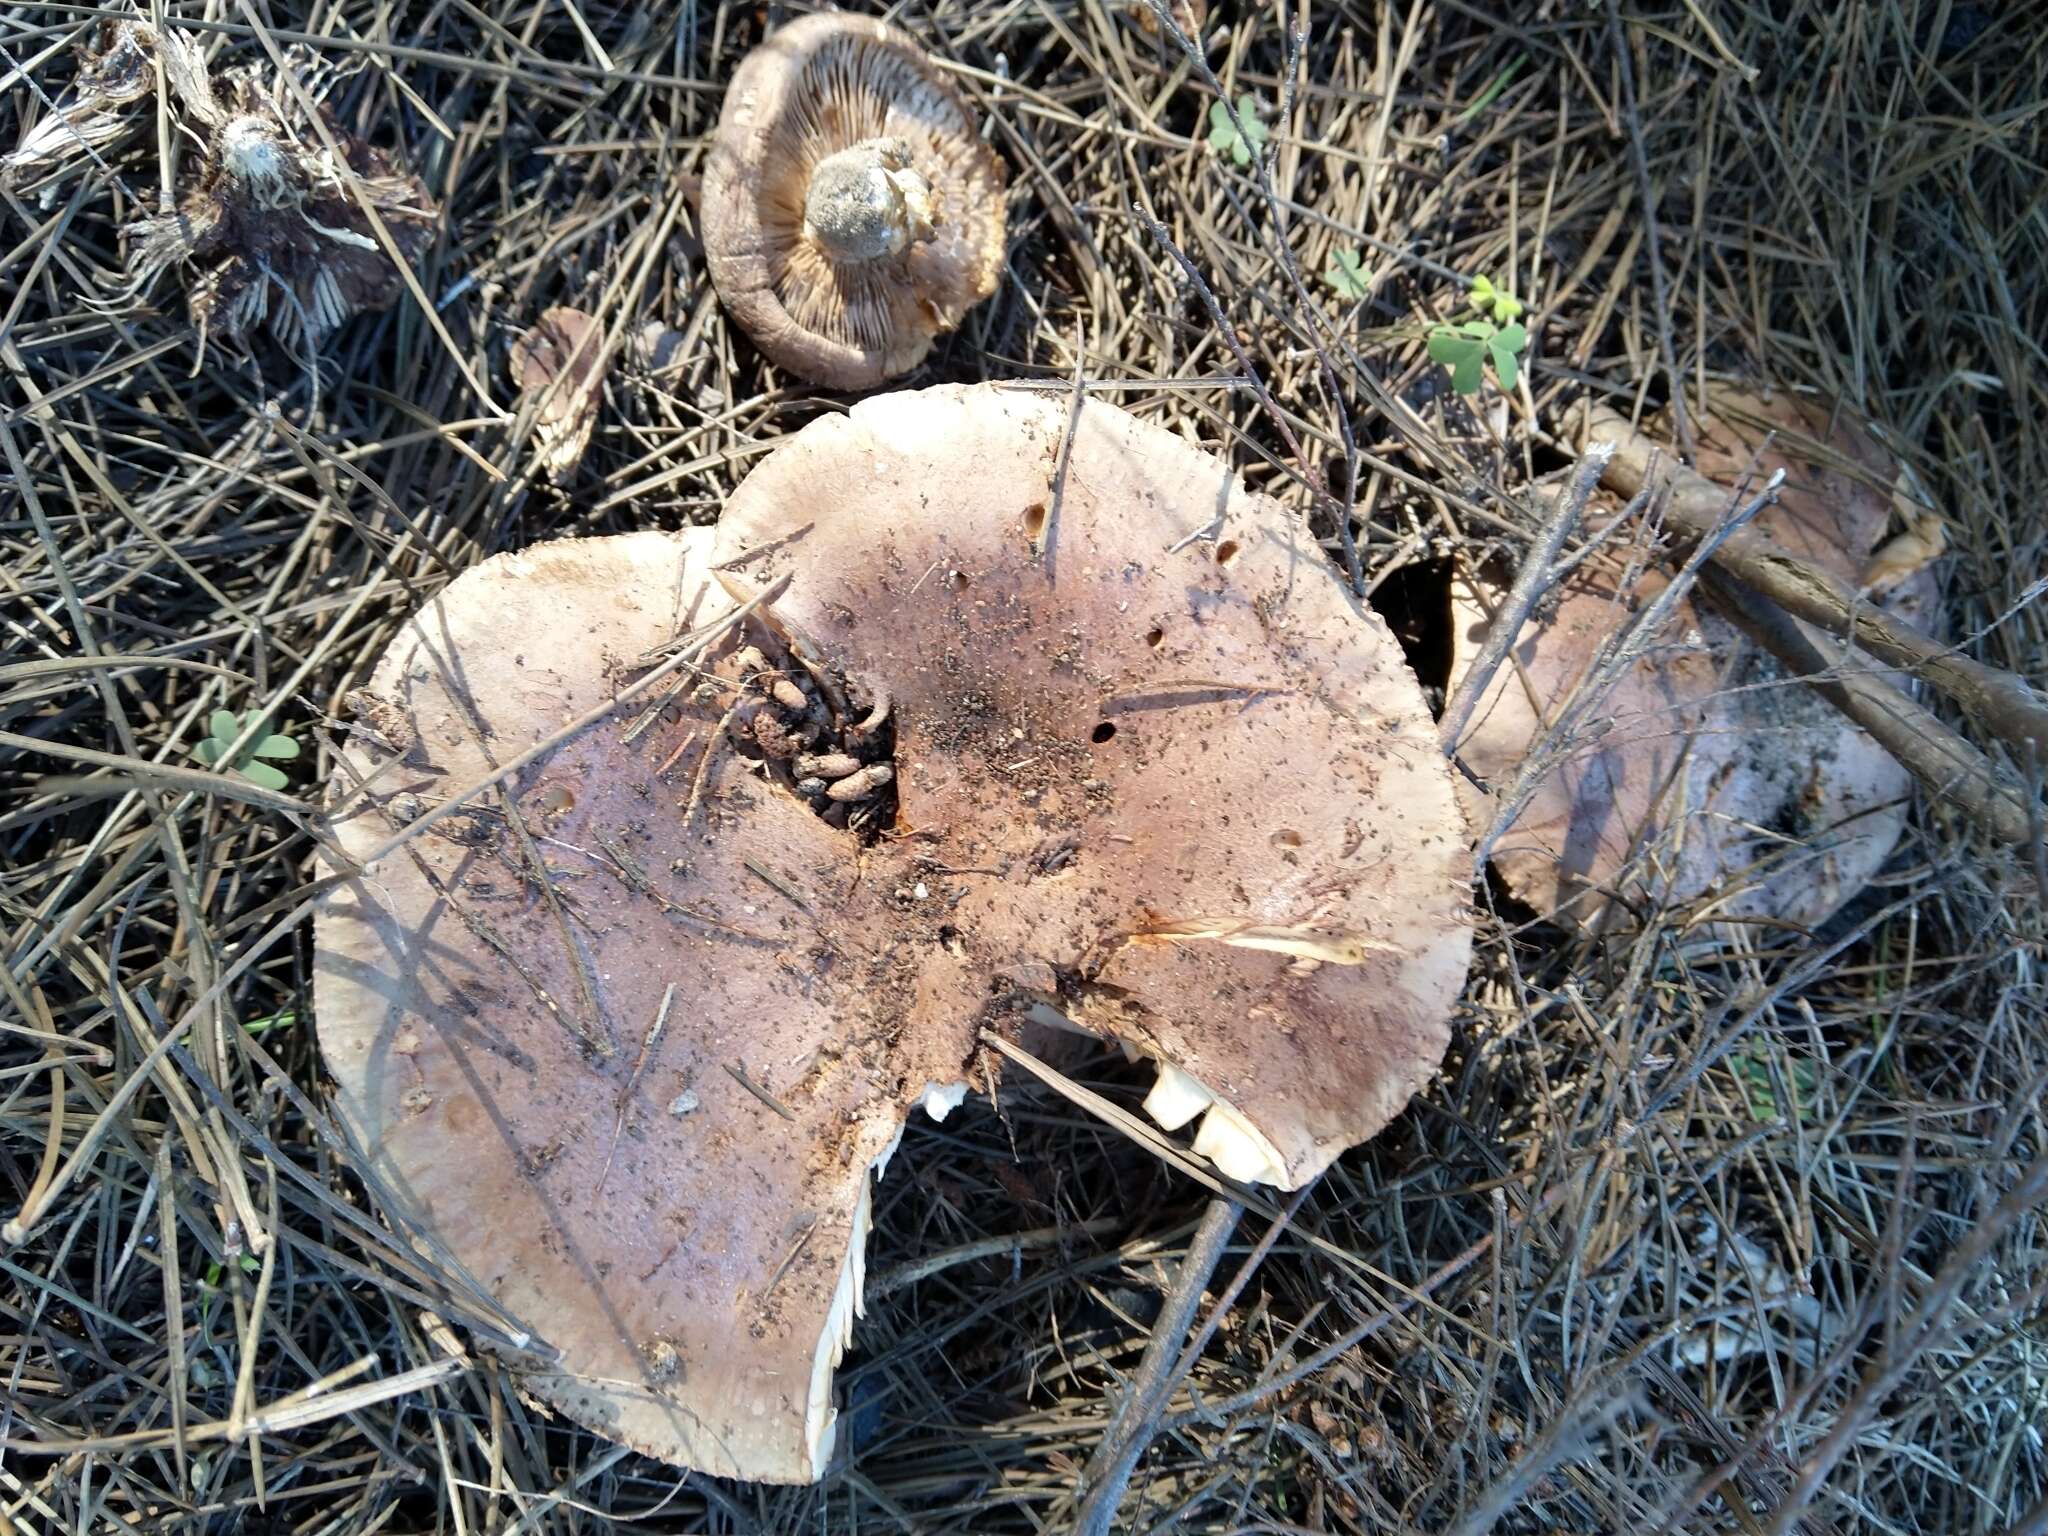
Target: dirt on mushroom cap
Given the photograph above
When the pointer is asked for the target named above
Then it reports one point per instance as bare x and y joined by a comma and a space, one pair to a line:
1711, 776
1188, 795
818, 86
1134, 735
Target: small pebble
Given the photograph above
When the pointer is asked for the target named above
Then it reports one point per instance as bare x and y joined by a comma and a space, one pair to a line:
683, 1103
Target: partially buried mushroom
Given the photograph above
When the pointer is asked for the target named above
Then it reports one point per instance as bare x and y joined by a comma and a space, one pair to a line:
995, 740
1703, 775
279, 220
851, 212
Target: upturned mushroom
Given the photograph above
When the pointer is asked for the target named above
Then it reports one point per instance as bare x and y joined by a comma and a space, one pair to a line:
631, 1034
1704, 775
276, 220
851, 211
558, 364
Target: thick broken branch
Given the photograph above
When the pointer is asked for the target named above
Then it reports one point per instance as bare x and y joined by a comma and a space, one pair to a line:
1999, 701
1948, 766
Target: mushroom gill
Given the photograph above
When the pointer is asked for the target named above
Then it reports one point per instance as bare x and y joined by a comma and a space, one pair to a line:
851, 210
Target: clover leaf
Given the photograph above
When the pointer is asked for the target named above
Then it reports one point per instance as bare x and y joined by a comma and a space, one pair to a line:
1505, 307
222, 729
1348, 277
1242, 141
1466, 349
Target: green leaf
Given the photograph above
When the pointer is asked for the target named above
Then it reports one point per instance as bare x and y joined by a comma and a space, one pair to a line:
264, 774
1513, 337
1446, 346
1242, 142
208, 751
1482, 291
1506, 307
277, 746
1464, 355
1483, 329
1503, 363
1348, 277
223, 725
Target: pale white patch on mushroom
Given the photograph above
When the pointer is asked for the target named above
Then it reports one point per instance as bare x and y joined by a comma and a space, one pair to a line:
1176, 1098
940, 1099
1237, 1148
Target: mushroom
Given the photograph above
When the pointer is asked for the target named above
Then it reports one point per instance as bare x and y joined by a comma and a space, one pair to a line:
631, 1044
274, 220
851, 212
559, 362
1704, 774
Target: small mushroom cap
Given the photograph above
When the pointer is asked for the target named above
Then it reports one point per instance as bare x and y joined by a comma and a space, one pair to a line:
1710, 774
559, 361
1206, 775
815, 89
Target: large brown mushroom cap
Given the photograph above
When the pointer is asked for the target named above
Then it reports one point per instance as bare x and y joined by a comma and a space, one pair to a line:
1206, 777
1189, 797
820, 87
1711, 776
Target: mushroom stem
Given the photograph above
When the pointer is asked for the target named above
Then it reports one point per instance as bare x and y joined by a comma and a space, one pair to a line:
867, 202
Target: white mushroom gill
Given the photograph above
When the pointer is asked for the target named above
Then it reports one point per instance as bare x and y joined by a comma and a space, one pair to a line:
1225, 1137
1235, 1146
1176, 1098
941, 1099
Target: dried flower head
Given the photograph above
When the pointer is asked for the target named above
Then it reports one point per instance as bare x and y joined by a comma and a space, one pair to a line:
279, 219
